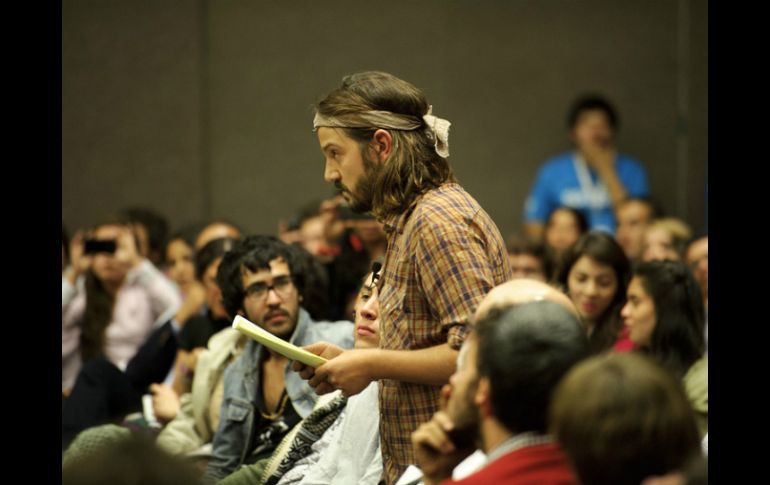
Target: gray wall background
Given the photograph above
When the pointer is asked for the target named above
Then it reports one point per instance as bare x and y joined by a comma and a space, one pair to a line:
202, 109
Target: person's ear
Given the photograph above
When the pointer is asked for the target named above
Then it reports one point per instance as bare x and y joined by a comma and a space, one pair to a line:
382, 144
483, 398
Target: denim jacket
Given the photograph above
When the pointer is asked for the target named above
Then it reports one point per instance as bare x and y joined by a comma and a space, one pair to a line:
235, 435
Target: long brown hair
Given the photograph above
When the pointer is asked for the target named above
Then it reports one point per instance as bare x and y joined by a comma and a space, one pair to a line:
413, 166
97, 316
677, 340
99, 304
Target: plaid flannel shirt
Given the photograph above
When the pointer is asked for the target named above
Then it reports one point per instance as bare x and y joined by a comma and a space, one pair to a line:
444, 255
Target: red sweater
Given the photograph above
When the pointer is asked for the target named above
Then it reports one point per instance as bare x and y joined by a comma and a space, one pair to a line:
534, 465
624, 343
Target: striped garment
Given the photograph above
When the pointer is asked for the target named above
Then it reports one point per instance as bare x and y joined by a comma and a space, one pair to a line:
444, 254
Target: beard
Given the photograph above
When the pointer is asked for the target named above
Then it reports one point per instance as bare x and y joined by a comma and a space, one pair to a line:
466, 430
285, 336
288, 327
465, 437
363, 193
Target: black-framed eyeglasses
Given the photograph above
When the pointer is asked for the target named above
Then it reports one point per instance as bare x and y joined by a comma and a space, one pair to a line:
281, 285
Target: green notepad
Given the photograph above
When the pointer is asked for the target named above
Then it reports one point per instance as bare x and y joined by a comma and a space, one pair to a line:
279, 345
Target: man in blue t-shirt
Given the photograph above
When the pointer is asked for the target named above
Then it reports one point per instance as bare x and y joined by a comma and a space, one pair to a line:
592, 178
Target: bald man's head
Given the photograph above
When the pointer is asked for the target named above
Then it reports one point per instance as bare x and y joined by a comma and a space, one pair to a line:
522, 352
520, 291
216, 230
530, 334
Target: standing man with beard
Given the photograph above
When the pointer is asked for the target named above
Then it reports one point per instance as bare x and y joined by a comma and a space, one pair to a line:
386, 153
262, 279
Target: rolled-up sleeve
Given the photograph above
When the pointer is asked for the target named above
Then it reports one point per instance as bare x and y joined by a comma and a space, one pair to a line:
455, 273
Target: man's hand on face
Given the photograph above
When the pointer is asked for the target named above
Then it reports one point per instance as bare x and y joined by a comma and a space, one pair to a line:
599, 154
434, 451
347, 370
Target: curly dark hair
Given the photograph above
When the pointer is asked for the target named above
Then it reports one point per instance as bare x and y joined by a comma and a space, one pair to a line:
255, 253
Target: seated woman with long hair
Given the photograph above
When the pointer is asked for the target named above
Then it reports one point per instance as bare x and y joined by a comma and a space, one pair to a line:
112, 301
665, 317
594, 273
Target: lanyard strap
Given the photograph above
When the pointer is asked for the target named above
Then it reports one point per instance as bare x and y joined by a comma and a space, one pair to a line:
593, 194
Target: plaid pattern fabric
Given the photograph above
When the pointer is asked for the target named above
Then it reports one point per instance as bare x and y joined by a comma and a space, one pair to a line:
444, 254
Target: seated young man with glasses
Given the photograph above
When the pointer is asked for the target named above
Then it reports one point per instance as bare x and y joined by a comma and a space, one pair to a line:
261, 278
339, 442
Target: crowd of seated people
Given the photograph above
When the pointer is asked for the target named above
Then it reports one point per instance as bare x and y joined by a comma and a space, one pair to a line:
589, 365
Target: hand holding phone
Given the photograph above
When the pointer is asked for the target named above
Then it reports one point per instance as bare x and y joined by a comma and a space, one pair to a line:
127, 250
80, 261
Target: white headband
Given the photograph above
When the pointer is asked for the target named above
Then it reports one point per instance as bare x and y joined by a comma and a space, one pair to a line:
438, 128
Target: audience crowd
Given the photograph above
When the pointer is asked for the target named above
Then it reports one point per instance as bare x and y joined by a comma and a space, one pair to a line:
581, 357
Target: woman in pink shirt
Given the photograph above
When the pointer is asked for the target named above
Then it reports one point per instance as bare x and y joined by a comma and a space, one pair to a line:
112, 298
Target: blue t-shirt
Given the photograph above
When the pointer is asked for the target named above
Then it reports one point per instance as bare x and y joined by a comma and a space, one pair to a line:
558, 184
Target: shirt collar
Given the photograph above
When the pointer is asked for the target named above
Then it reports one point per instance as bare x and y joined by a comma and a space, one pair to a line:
517, 442
397, 222
303, 322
